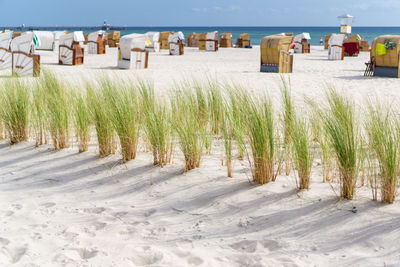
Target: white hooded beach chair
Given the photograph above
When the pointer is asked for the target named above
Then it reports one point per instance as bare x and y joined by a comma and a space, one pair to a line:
153, 44
301, 43
47, 40
176, 47
97, 42
5, 52
212, 41
24, 62
70, 50
132, 53
335, 48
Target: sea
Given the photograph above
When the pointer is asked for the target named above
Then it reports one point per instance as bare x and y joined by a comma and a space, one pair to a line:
256, 33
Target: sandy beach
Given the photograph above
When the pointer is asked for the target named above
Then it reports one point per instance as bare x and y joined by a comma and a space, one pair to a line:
69, 209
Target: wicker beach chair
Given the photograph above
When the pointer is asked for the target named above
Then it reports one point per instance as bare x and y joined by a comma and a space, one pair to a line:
176, 46
275, 56
301, 43
209, 41
132, 53
336, 49
225, 40
384, 56
24, 62
153, 44
70, 50
164, 44
113, 39
243, 41
192, 40
5, 51
97, 43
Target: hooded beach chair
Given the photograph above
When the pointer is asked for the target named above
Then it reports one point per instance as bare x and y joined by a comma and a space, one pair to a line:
326, 41
302, 45
70, 50
5, 51
24, 62
153, 41
164, 43
225, 40
47, 40
384, 56
335, 48
97, 43
359, 39
275, 55
132, 53
243, 41
209, 41
192, 40
113, 39
176, 46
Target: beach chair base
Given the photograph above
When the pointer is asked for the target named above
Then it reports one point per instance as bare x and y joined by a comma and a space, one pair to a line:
389, 72
139, 60
225, 43
71, 56
176, 49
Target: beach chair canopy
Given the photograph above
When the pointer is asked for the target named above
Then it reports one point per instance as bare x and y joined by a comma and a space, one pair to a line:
57, 34
46, 40
355, 38
226, 35
175, 37
131, 41
153, 36
244, 36
23, 43
385, 50
271, 47
69, 38
298, 38
336, 39
5, 40
92, 37
212, 35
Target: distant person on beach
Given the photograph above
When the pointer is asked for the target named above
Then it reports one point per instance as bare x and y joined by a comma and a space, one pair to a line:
321, 41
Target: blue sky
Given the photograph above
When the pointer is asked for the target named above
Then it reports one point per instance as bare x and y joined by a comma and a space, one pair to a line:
198, 13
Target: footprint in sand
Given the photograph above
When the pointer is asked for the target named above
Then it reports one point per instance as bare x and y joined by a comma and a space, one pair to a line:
87, 254
249, 246
16, 206
97, 210
8, 213
48, 205
4, 241
146, 257
150, 212
13, 255
192, 260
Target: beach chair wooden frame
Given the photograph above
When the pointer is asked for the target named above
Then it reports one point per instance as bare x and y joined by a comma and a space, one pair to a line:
5, 51
99, 46
24, 63
71, 55
176, 48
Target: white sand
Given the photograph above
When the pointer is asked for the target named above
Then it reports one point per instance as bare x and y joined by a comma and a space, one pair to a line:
75, 209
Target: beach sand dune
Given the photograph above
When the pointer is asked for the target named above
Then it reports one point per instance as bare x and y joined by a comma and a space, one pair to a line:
70, 209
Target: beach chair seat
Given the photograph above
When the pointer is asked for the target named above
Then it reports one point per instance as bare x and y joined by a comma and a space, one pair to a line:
336, 49
275, 55
132, 52
176, 46
5, 51
70, 50
24, 62
47, 40
153, 44
97, 43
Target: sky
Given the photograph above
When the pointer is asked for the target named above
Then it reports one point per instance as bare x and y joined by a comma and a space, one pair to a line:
198, 13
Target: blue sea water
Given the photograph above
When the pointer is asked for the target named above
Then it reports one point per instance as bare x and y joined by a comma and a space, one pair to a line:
257, 33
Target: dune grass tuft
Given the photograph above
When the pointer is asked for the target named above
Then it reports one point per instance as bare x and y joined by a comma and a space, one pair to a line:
82, 120
39, 115
15, 109
341, 126
383, 132
288, 121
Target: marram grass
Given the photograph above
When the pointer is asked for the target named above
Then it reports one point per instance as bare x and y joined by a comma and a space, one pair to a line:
287, 121
123, 110
82, 120
39, 115
15, 109
383, 132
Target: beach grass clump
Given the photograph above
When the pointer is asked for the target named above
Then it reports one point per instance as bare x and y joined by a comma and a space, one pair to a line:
262, 138
123, 108
157, 124
382, 128
58, 107
101, 118
39, 115
227, 127
15, 109
341, 126
82, 120
189, 125
302, 151
216, 106
287, 121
